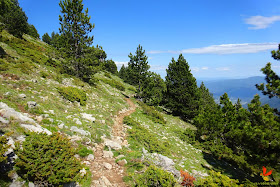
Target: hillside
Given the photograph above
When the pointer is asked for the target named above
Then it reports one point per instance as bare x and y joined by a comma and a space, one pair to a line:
110, 151
243, 89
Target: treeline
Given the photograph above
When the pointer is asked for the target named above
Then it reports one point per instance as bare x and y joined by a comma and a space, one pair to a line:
14, 19
73, 42
247, 138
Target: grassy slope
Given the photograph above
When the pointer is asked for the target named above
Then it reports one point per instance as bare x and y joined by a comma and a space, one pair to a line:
26, 61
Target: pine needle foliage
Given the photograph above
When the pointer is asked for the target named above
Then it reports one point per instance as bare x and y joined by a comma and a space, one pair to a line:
73, 94
47, 159
3, 147
154, 176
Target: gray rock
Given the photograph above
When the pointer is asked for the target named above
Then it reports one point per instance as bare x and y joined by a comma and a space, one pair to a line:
122, 162
51, 111
88, 117
36, 128
112, 144
77, 121
108, 154
161, 161
31, 184
17, 184
83, 172
9, 113
21, 138
23, 96
80, 131
104, 182
7, 93
31, 104
90, 157
107, 166
4, 121
103, 121
120, 156
61, 125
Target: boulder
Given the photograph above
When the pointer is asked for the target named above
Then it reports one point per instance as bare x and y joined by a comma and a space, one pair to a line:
36, 128
122, 162
90, 157
104, 182
83, 172
108, 154
112, 144
107, 166
4, 121
161, 161
80, 131
88, 117
23, 96
31, 104
8, 113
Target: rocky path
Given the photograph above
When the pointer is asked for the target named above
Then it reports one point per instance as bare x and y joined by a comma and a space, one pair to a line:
106, 172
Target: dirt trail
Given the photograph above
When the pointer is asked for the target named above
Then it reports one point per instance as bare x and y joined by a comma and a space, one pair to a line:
102, 167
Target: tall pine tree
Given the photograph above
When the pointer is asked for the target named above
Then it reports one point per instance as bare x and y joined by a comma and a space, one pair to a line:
138, 68
75, 27
182, 93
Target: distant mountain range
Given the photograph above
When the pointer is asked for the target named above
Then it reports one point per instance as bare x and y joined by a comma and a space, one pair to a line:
243, 89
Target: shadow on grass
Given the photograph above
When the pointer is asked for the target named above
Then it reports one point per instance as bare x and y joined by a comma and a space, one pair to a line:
229, 169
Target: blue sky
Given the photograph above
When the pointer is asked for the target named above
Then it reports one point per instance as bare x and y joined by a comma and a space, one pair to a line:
218, 38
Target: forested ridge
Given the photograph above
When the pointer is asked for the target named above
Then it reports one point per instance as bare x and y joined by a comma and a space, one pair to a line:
246, 139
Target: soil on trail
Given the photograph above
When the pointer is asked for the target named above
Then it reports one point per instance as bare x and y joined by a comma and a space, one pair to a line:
106, 168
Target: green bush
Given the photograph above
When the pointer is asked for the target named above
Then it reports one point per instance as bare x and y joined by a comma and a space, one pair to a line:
73, 94
83, 151
218, 179
44, 74
47, 159
114, 84
143, 137
3, 147
154, 115
107, 75
154, 176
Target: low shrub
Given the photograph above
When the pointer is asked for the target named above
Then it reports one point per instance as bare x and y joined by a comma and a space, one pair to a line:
143, 137
107, 75
114, 84
187, 179
47, 160
44, 74
153, 114
3, 147
154, 176
218, 179
83, 151
73, 94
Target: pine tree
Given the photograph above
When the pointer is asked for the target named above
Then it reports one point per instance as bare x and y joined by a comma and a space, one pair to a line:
138, 68
182, 92
272, 86
75, 27
153, 89
46, 38
14, 18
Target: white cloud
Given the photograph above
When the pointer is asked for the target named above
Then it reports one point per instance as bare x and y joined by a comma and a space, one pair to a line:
261, 22
195, 69
157, 67
223, 69
204, 68
119, 64
225, 49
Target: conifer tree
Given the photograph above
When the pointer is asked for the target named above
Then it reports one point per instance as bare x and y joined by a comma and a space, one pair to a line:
272, 86
182, 92
153, 89
138, 68
75, 27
